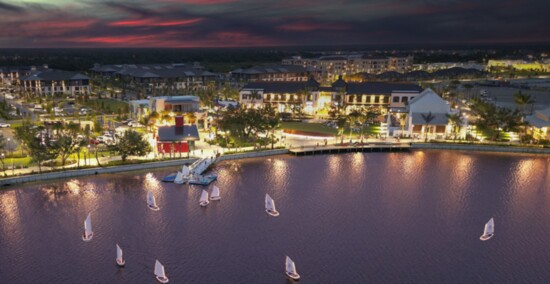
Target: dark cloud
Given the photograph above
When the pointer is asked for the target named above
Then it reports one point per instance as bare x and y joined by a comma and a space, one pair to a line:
210, 23
11, 8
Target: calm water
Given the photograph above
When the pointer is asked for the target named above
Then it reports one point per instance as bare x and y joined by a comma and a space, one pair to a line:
354, 218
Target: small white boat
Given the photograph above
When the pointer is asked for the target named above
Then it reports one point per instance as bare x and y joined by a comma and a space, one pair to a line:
204, 198
215, 193
489, 230
119, 259
151, 203
159, 272
88, 234
270, 206
291, 269
179, 178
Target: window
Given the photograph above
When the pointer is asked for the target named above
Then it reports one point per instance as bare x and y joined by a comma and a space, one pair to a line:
395, 99
404, 99
376, 99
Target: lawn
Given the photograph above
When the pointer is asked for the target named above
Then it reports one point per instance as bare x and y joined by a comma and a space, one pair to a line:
107, 106
309, 127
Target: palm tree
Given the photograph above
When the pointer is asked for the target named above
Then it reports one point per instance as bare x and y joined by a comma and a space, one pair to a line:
456, 121
522, 101
427, 119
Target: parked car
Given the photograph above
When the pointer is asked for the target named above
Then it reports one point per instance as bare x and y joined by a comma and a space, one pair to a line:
9, 97
94, 141
135, 124
4, 125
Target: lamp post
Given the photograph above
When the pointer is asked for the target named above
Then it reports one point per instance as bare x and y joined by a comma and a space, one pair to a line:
88, 154
3, 156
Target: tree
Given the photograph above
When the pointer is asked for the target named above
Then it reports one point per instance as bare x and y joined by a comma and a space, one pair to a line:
2, 146
456, 122
522, 101
271, 122
131, 143
37, 143
427, 119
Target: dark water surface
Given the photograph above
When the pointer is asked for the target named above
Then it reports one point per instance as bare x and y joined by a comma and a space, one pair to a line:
352, 218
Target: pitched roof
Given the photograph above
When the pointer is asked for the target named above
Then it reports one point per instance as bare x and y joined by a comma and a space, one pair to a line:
54, 75
424, 93
182, 99
280, 87
272, 69
381, 88
173, 133
179, 70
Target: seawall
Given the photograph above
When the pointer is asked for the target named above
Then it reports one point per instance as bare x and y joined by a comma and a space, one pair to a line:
481, 148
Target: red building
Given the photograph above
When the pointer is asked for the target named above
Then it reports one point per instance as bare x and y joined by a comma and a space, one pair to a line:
179, 138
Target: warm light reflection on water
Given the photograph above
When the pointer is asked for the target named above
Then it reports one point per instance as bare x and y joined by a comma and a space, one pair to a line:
371, 217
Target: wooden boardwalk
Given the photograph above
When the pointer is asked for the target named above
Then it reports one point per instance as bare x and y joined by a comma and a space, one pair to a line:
331, 149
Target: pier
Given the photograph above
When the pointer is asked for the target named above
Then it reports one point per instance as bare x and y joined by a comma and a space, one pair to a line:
332, 149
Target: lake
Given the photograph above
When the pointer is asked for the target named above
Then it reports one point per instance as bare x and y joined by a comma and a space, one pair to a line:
350, 218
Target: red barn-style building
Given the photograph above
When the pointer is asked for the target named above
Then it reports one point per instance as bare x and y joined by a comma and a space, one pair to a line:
179, 138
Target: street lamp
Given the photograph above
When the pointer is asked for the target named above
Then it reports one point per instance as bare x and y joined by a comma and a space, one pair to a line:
89, 154
10, 148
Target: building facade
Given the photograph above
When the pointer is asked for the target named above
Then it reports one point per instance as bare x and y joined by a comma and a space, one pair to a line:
178, 138
274, 73
156, 78
51, 82
333, 66
312, 98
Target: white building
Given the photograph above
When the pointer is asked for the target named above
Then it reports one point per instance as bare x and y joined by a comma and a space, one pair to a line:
428, 114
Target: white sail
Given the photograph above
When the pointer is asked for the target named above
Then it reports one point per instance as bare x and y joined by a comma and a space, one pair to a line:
215, 193
489, 228
88, 226
179, 178
204, 196
159, 269
290, 266
269, 203
118, 253
185, 170
151, 199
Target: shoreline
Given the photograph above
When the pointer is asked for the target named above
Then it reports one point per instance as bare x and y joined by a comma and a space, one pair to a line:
7, 182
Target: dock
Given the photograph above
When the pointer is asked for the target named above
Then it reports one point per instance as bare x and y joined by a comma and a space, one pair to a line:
334, 149
200, 165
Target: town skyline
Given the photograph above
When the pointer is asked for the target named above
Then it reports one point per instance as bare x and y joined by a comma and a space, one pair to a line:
247, 23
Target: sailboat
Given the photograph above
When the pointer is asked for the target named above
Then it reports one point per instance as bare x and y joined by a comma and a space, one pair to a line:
489, 230
185, 171
215, 193
179, 178
291, 269
88, 234
159, 272
270, 206
119, 259
151, 203
204, 198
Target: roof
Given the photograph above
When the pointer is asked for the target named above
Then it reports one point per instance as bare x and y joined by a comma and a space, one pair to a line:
381, 88
178, 70
272, 69
541, 118
173, 133
280, 87
182, 99
54, 75
426, 92
439, 119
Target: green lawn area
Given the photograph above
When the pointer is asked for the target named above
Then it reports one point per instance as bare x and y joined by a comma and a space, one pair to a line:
309, 127
107, 106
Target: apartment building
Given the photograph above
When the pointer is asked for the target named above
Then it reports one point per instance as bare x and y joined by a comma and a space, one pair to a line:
51, 82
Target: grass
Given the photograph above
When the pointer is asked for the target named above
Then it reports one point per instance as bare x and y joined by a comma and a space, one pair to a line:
109, 105
309, 127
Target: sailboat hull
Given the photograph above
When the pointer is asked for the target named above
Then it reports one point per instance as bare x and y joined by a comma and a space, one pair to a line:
215, 198
87, 238
486, 237
272, 213
293, 276
162, 279
204, 203
120, 262
154, 208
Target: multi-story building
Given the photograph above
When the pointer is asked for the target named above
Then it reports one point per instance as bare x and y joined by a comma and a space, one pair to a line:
155, 77
274, 73
10, 75
313, 98
51, 82
334, 66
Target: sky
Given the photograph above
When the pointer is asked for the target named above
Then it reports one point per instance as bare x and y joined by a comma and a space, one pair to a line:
256, 23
